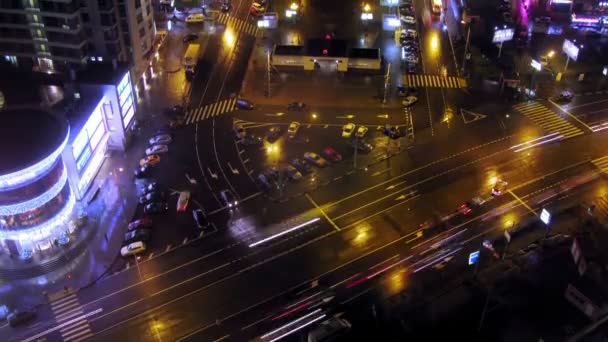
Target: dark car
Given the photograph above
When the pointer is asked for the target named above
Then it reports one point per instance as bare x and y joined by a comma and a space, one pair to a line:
301, 166
156, 208
564, 96
151, 197
200, 219
18, 317
143, 171
410, 48
176, 110
151, 187
392, 132
273, 134
190, 37
228, 198
225, 6
137, 235
143, 222
244, 104
264, 182
250, 139
362, 145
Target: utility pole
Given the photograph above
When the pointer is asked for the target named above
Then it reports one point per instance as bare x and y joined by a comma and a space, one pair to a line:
387, 78
268, 74
356, 146
466, 47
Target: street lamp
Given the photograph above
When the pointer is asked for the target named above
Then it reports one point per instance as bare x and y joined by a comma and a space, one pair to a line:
292, 11
367, 14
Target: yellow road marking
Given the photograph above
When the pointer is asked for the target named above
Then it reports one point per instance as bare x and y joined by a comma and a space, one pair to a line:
522, 202
322, 212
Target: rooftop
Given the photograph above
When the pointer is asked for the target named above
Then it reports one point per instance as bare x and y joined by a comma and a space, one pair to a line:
102, 73
364, 53
28, 135
332, 47
78, 111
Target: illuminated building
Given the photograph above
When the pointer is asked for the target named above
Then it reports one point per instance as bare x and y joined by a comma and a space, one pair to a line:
36, 200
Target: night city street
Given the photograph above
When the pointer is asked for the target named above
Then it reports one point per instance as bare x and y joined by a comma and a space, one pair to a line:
304, 170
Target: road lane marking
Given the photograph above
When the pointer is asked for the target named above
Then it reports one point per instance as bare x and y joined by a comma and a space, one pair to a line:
370, 203
379, 212
378, 173
60, 326
419, 234
522, 202
322, 212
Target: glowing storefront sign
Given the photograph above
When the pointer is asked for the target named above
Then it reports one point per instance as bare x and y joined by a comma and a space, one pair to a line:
125, 97
38, 201
502, 35
536, 65
123, 83
20, 177
94, 165
570, 49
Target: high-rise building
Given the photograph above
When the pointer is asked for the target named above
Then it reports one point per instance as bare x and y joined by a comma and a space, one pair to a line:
52, 35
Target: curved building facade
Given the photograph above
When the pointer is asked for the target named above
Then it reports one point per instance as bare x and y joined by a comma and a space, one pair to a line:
36, 201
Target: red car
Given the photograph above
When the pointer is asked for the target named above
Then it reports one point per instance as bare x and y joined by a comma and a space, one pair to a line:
332, 154
464, 209
141, 223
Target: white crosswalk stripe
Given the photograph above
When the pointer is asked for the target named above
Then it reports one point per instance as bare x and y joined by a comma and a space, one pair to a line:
601, 163
210, 110
547, 119
66, 309
433, 81
237, 24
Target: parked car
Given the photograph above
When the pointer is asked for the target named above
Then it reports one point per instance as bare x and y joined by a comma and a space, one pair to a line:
362, 145
347, 130
273, 134
256, 9
200, 219
293, 173
408, 19
133, 249
564, 96
156, 208
173, 111
392, 132
162, 139
137, 235
195, 18
143, 171
150, 197
244, 104
293, 129
361, 132
225, 6
151, 187
228, 198
190, 37
251, 140
301, 166
150, 160
499, 188
19, 317
332, 154
264, 181
144, 222
315, 159
156, 149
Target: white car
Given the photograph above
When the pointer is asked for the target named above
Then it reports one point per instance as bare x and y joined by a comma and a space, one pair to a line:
195, 18
409, 33
347, 130
133, 248
408, 19
409, 100
361, 132
163, 139
293, 129
156, 149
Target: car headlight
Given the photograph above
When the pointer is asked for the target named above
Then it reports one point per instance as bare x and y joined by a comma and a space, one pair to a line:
235, 203
229, 205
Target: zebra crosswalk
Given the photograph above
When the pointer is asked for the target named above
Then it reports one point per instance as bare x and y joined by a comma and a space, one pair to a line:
210, 110
434, 81
68, 311
601, 163
548, 119
237, 24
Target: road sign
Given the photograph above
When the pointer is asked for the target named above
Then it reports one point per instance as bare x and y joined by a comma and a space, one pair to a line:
502, 35
570, 49
468, 116
536, 65
545, 216
473, 257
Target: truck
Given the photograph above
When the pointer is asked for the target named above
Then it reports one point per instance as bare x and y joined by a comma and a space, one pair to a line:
191, 59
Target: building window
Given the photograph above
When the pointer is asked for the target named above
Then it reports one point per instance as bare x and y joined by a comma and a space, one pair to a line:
137, 4
140, 18
142, 32
144, 47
